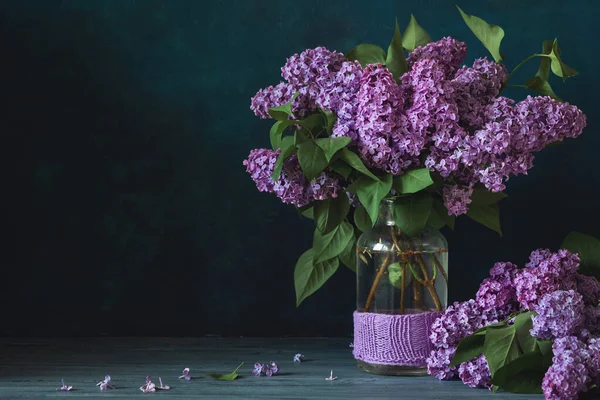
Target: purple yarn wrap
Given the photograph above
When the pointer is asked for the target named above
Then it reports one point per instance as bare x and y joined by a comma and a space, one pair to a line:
393, 339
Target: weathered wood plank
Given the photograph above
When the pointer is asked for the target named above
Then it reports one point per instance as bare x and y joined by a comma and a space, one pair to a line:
32, 368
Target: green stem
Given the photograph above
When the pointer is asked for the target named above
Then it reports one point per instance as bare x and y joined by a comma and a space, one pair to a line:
519, 66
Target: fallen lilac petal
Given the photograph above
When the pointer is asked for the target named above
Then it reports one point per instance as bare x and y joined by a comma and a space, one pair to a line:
298, 357
148, 387
331, 377
105, 383
64, 388
186, 374
274, 368
162, 387
268, 371
351, 345
258, 368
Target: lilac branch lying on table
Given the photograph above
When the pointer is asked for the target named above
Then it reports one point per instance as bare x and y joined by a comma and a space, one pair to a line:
541, 321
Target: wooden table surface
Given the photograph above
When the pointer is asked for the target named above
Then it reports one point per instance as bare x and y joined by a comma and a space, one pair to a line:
32, 369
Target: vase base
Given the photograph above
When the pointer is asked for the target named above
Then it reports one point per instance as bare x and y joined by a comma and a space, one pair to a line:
395, 370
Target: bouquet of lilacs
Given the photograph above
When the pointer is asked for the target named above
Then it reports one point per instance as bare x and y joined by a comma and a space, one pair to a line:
351, 129
529, 330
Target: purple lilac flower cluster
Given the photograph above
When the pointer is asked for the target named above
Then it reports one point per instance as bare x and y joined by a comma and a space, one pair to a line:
566, 310
438, 115
269, 369
291, 187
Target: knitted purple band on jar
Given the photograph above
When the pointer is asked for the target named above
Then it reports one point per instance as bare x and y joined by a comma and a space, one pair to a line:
393, 339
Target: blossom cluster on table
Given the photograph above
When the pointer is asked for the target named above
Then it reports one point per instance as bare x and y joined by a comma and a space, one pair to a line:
565, 309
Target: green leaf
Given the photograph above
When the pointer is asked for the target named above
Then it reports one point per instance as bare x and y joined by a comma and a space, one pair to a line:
362, 219
309, 277
544, 69
277, 130
329, 213
558, 67
284, 111
395, 60
395, 275
488, 34
370, 193
348, 256
332, 244
341, 168
307, 211
226, 377
412, 212
442, 212
500, 347
414, 36
542, 87
287, 149
300, 136
312, 159
523, 323
330, 146
523, 374
469, 348
483, 197
588, 249
355, 162
315, 123
412, 181
488, 216
330, 119
434, 221
367, 54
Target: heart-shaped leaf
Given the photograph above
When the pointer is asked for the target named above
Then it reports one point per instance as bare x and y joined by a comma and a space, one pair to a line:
348, 256
542, 87
414, 35
309, 277
287, 149
413, 181
488, 34
522, 375
558, 67
284, 111
367, 54
312, 159
355, 162
488, 216
395, 61
412, 212
329, 213
362, 219
469, 348
332, 244
370, 193
277, 131
330, 146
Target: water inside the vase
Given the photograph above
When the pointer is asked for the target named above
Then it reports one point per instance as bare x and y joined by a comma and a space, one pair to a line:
401, 283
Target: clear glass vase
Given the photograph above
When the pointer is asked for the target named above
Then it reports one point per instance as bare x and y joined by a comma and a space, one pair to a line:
400, 275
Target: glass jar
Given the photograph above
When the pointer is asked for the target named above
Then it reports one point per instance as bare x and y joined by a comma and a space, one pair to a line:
402, 285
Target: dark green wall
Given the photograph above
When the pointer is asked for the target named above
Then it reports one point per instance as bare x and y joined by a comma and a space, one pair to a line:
126, 209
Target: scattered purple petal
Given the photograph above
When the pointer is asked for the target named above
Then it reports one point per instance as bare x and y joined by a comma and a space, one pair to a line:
258, 368
148, 387
64, 388
351, 345
185, 374
274, 368
105, 383
331, 377
298, 357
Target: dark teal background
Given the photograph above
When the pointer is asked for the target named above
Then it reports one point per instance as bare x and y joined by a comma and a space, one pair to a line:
126, 208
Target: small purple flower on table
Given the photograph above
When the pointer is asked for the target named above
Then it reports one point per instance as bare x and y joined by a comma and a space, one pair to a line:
258, 368
148, 387
273, 367
185, 374
331, 377
105, 383
64, 388
298, 357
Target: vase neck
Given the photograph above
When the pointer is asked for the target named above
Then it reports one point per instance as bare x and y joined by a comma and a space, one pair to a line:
386, 213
